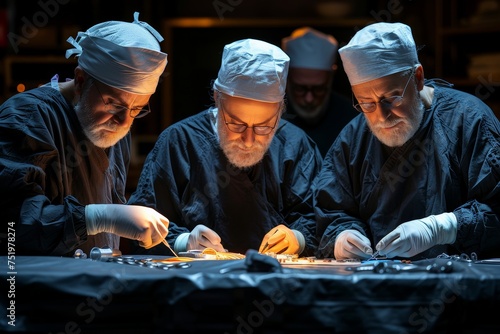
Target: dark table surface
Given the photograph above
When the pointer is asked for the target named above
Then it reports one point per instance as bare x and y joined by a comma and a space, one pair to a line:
252, 295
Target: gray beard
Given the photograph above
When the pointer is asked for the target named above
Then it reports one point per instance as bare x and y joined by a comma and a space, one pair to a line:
399, 139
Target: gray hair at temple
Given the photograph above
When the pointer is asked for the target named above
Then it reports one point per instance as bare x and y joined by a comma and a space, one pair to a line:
122, 55
378, 50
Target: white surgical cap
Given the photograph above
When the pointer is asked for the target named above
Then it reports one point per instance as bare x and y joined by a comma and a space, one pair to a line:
309, 48
378, 50
123, 55
253, 69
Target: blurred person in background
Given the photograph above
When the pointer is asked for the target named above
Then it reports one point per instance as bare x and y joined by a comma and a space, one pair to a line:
312, 103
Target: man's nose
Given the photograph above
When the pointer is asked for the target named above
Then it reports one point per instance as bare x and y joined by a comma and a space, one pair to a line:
383, 111
248, 137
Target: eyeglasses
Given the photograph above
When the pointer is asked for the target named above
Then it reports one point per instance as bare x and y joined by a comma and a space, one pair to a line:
389, 102
260, 130
115, 109
301, 90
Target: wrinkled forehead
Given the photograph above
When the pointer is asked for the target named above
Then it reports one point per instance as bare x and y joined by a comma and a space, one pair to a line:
116, 95
247, 110
381, 85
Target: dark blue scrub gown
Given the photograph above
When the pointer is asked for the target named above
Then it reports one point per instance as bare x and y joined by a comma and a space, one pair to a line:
187, 178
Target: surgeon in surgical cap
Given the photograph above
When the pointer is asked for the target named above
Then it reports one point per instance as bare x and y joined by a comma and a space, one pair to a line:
416, 174
65, 159
236, 176
313, 104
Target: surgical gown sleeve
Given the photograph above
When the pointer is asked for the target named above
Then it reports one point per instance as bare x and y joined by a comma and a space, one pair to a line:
188, 178
335, 202
164, 175
452, 164
49, 171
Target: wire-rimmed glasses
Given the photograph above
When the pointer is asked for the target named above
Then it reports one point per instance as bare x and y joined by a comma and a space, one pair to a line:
260, 130
389, 102
115, 109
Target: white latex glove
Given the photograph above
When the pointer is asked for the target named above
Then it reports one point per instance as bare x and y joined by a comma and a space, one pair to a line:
416, 236
351, 244
201, 237
282, 240
130, 221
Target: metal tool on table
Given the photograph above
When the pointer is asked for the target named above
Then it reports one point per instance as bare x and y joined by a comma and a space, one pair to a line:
79, 254
104, 253
395, 266
384, 267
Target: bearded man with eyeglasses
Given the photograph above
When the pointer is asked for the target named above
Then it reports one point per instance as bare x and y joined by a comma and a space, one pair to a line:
236, 176
65, 146
314, 105
417, 173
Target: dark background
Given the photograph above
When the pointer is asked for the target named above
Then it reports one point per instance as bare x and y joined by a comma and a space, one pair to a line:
449, 34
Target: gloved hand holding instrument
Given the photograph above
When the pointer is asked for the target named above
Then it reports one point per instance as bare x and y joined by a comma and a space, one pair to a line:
199, 238
130, 221
282, 240
416, 236
351, 244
